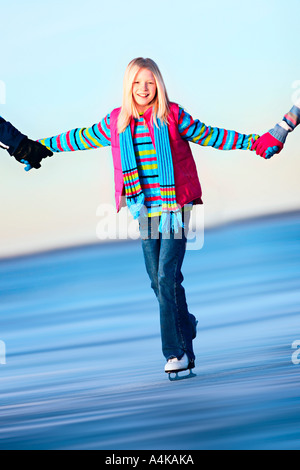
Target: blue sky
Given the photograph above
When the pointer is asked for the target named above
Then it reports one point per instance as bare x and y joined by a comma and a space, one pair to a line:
230, 64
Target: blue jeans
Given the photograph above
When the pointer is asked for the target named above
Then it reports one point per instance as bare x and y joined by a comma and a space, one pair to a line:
164, 256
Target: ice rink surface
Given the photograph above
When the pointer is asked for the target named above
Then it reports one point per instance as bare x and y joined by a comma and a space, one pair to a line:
84, 368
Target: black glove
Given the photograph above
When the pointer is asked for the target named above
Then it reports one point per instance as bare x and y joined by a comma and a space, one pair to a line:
31, 152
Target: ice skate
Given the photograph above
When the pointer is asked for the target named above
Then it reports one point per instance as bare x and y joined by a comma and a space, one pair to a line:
174, 366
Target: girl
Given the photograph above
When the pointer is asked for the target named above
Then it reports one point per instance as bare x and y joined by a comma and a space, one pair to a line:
154, 169
273, 141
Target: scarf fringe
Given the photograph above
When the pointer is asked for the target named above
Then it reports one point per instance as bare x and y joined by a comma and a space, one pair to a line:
137, 206
171, 221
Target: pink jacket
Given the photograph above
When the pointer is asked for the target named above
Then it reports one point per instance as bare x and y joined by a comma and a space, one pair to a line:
187, 183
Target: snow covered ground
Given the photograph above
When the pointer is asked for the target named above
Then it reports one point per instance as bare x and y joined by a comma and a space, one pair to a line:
84, 368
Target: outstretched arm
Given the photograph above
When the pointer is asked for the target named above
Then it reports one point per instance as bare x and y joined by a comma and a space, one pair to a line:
222, 139
84, 138
10, 137
273, 141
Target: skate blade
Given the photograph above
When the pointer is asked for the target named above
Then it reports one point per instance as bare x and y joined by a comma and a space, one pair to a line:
180, 377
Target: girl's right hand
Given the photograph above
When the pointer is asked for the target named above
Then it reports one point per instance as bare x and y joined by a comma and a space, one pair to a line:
31, 153
28, 167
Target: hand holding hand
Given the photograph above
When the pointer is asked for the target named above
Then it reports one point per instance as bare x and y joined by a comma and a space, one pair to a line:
31, 153
267, 146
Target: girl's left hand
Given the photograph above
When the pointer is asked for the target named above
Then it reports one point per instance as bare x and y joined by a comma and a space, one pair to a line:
267, 146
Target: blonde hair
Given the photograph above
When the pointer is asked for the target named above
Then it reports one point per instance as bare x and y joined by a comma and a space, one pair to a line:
161, 106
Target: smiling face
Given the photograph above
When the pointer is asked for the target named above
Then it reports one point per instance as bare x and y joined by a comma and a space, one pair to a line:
144, 90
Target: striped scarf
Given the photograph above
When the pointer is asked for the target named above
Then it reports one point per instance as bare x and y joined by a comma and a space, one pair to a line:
171, 218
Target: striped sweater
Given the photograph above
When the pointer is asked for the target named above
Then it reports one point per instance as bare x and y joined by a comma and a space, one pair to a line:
192, 130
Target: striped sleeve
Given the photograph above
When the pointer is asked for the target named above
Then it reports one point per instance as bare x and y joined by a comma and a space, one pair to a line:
207, 136
292, 118
289, 122
84, 138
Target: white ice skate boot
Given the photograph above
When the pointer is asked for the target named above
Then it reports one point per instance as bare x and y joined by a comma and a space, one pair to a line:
175, 365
